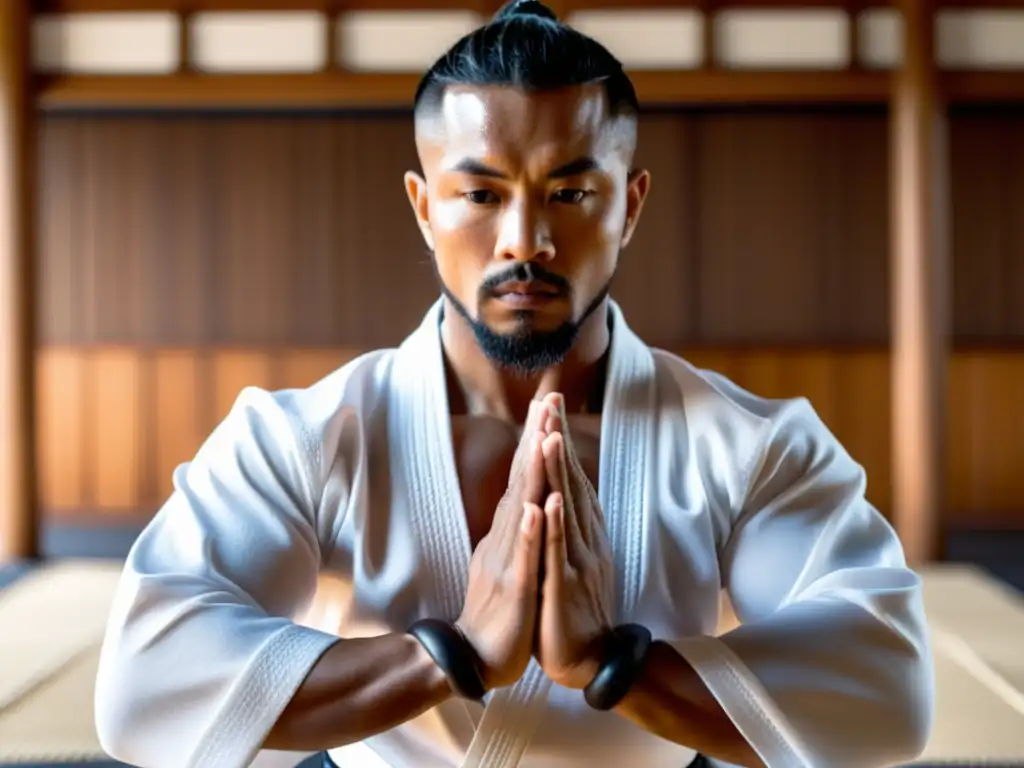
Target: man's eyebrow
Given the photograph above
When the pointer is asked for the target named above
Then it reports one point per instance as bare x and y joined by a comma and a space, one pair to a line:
574, 168
473, 167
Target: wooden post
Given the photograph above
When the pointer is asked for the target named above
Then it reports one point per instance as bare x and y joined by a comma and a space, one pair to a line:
18, 529
920, 285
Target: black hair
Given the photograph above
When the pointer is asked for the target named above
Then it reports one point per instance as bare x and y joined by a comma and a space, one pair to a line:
526, 46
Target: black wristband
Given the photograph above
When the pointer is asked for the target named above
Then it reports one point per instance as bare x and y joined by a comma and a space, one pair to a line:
624, 658
454, 654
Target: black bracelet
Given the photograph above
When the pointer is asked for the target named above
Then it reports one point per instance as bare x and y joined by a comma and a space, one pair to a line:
454, 654
624, 658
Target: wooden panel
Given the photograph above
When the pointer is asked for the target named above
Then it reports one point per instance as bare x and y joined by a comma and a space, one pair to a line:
254, 263
302, 368
114, 439
179, 431
60, 427
987, 420
762, 227
987, 163
293, 231
95, 445
59, 295
658, 267
792, 228
862, 419
234, 371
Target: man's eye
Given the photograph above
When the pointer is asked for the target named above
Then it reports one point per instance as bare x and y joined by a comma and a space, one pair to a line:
481, 197
570, 196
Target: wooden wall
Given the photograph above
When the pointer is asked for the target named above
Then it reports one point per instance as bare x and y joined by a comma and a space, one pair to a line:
184, 257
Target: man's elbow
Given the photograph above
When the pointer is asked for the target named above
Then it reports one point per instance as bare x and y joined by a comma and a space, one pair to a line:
118, 712
112, 713
113, 730
912, 728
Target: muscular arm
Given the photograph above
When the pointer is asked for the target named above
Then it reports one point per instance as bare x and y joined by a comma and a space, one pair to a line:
671, 701
831, 664
359, 688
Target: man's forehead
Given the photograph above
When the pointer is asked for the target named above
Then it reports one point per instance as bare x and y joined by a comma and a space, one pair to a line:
498, 119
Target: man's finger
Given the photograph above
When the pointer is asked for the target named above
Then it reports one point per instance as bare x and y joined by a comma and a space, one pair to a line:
587, 508
553, 447
554, 413
535, 475
555, 554
531, 427
528, 547
557, 475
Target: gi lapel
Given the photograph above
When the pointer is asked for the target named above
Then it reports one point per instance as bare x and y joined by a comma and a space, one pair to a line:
423, 469
627, 432
627, 435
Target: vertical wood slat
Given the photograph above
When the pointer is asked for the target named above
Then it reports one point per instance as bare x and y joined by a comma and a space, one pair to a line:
920, 331
60, 427
19, 533
332, 44
233, 371
708, 7
179, 430
853, 9
185, 66
116, 441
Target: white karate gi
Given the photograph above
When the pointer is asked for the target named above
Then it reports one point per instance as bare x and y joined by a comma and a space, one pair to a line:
704, 486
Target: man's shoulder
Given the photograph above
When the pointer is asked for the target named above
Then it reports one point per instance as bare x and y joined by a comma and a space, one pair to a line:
748, 435
704, 391
354, 388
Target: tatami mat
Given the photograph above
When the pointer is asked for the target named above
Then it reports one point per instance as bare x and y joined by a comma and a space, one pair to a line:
51, 625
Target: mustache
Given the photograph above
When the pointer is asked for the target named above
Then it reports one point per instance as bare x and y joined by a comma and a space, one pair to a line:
525, 272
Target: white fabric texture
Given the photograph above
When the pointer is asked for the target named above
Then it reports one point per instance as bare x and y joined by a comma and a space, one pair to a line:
704, 487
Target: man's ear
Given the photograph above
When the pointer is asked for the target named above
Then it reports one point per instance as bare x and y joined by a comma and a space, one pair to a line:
636, 194
416, 189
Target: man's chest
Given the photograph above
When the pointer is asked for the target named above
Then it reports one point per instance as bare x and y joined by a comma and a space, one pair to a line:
484, 449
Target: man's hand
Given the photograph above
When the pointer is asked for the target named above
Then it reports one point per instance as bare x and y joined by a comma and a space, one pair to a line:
500, 613
578, 585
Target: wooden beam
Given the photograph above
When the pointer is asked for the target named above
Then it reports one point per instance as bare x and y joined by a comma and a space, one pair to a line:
347, 90
18, 532
985, 87
78, 6
921, 275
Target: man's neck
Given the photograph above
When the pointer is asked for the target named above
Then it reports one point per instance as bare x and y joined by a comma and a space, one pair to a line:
479, 387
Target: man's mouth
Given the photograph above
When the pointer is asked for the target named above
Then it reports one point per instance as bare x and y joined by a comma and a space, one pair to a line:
531, 288
528, 295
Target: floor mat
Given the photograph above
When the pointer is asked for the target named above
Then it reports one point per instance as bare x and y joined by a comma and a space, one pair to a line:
51, 625
52, 620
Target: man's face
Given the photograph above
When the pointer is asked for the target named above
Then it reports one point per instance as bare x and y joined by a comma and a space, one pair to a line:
526, 202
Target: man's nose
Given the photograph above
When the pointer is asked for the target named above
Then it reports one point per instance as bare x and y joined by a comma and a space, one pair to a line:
525, 236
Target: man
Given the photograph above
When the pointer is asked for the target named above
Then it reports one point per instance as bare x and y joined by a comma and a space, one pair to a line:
535, 512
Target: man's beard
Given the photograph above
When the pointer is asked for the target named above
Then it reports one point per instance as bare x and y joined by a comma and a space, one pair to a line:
526, 351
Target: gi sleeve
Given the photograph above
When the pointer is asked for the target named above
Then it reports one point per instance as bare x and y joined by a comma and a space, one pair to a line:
201, 654
831, 667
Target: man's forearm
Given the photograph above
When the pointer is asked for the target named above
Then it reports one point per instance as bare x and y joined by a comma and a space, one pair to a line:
671, 701
357, 689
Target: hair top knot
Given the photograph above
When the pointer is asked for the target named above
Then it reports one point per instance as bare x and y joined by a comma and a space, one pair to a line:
526, 8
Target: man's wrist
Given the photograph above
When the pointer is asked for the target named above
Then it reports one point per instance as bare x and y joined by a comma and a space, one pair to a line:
626, 649
453, 654
435, 679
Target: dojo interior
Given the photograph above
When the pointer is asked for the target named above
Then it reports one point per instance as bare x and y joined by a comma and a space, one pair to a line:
201, 196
